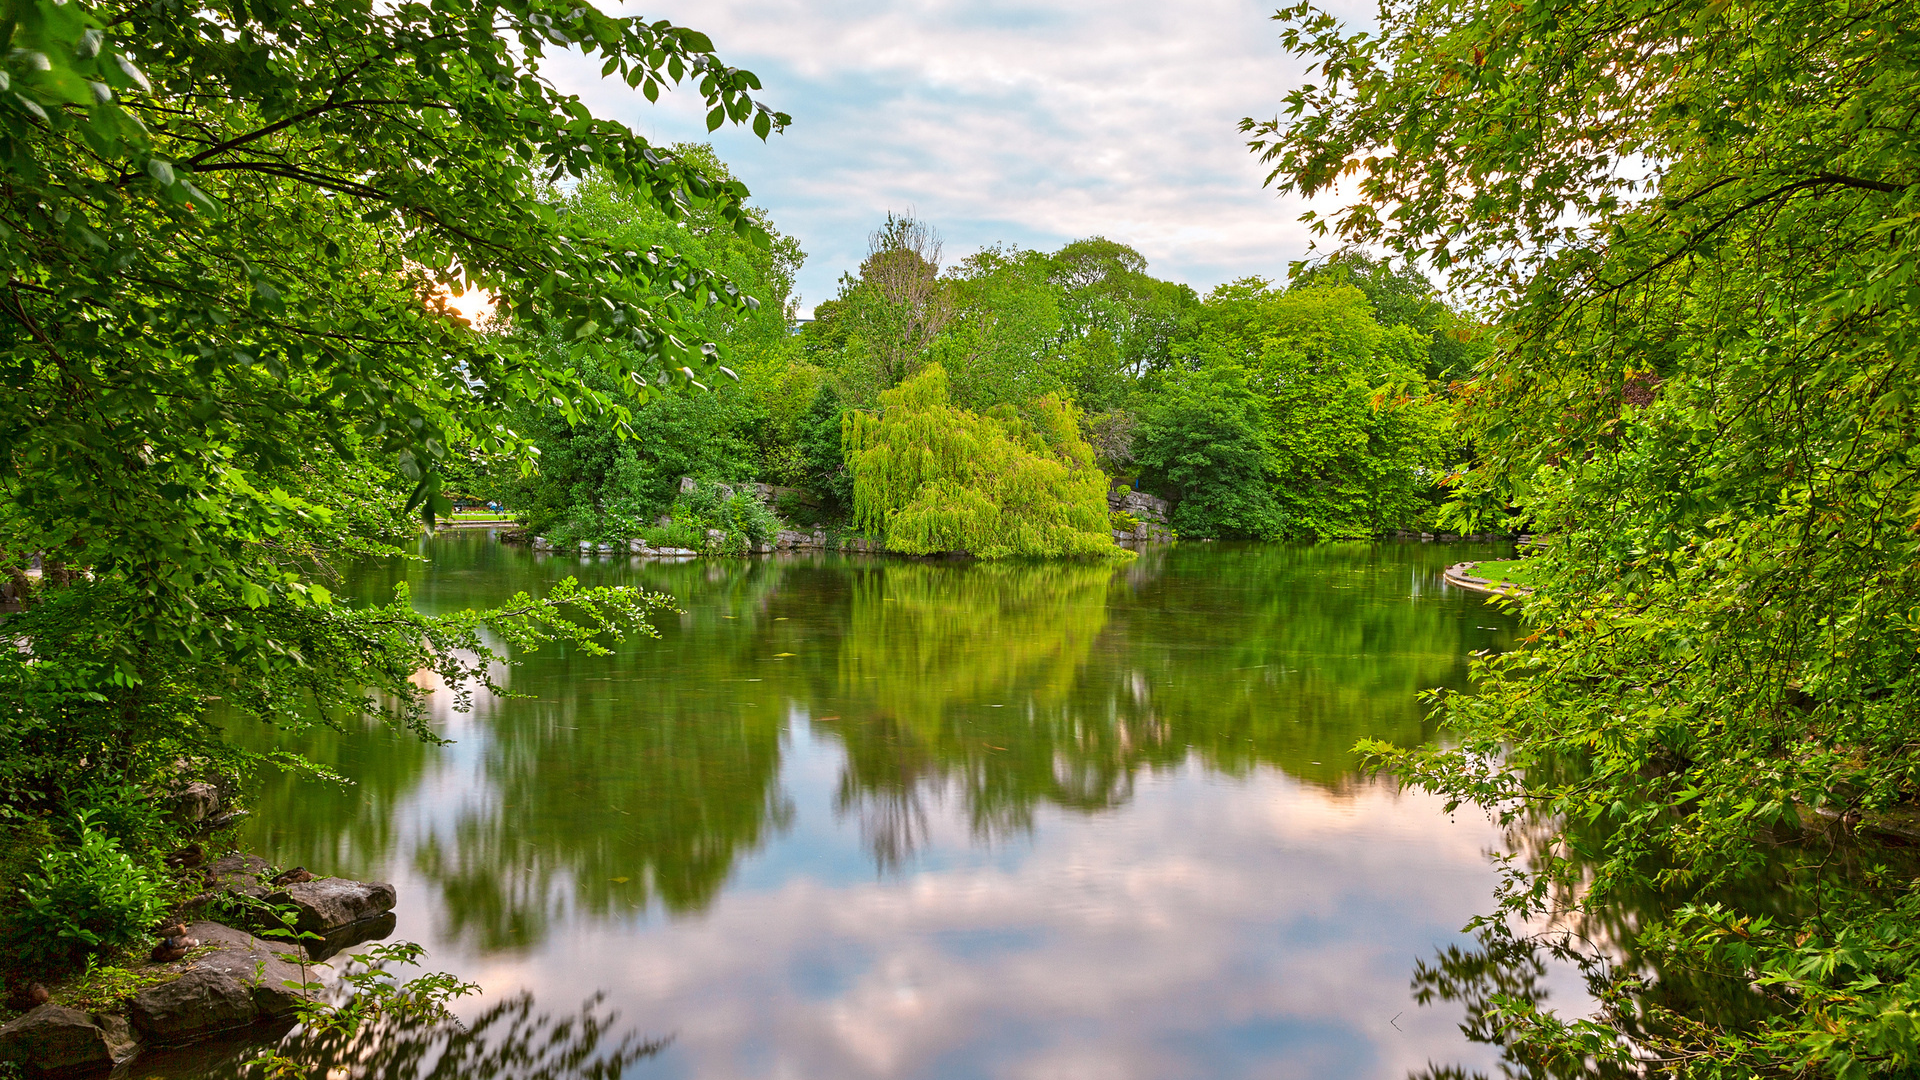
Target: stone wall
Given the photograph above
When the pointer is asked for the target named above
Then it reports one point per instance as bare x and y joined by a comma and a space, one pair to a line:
1149, 510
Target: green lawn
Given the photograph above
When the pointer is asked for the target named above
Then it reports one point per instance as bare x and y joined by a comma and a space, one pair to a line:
1518, 571
480, 515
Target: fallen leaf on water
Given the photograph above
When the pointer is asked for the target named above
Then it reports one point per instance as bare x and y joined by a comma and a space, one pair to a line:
621, 880
779, 618
778, 655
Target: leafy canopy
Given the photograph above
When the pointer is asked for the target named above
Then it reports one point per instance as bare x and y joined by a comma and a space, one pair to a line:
932, 477
1697, 224
229, 232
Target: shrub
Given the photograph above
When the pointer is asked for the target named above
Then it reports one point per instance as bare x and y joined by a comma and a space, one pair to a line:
122, 810
89, 898
738, 513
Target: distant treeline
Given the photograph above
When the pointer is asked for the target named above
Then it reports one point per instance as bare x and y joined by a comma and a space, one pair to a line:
1310, 408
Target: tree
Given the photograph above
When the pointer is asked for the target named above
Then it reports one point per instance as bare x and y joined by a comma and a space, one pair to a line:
1117, 321
229, 232
1696, 226
602, 475
1404, 296
1354, 445
1203, 441
934, 478
897, 305
1000, 343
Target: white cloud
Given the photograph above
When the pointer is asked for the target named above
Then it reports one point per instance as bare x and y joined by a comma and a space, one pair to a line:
1034, 123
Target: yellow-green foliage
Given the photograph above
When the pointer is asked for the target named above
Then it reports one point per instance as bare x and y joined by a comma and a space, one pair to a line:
932, 477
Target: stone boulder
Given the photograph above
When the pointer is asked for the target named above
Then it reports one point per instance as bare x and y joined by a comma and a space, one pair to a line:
239, 873
337, 941
328, 904
52, 1039
638, 546
242, 980
197, 801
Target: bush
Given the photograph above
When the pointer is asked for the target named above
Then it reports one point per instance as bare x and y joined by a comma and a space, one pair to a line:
123, 811
90, 898
738, 513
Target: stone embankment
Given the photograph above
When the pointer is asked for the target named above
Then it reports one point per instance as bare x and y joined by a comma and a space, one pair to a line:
1463, 576
1148, 511
229, 979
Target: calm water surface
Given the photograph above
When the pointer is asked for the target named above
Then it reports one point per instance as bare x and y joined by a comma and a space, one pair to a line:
870, 818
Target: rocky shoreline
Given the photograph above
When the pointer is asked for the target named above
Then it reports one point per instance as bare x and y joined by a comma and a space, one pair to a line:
229, 978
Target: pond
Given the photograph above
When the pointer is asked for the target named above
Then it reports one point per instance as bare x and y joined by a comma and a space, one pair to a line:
862, 817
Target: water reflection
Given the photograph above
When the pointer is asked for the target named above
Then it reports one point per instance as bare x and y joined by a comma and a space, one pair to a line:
895, 818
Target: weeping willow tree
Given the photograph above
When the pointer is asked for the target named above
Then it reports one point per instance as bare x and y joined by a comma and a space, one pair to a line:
931, 477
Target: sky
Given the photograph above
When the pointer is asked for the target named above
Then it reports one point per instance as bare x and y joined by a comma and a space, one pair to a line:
998, 122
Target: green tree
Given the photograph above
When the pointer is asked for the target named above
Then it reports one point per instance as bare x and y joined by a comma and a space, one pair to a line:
1117, 321
1403, 296
1203, 441
999, 345
229, 232
1355, 446
1697, 228
932, 477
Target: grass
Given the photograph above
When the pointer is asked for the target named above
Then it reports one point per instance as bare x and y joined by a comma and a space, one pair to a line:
1517, 571
480, 515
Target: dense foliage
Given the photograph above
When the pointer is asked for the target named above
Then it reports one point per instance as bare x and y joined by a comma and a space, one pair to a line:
1698, 225
1350, 441
229, 232
932, 477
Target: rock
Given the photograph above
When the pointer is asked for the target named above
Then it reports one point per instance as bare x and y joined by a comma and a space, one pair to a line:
350, 935
541, 543
791, 538
235, 872
55, 1039
586, 547
638, 546
327, 904
763, 549
1140, 504
688, 485
604, 549
715, 538
197, 801
241, 981
215, 824
678, 553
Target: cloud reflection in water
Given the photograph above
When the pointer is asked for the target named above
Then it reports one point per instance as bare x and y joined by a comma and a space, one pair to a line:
1152, 859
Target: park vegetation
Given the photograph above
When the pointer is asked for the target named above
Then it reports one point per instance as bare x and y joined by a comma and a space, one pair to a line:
1315, 409
232, 233
1697, 226
229, 233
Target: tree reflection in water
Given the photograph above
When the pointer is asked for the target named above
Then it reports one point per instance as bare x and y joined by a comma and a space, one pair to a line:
509, 1041
641, 781
1641, 997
